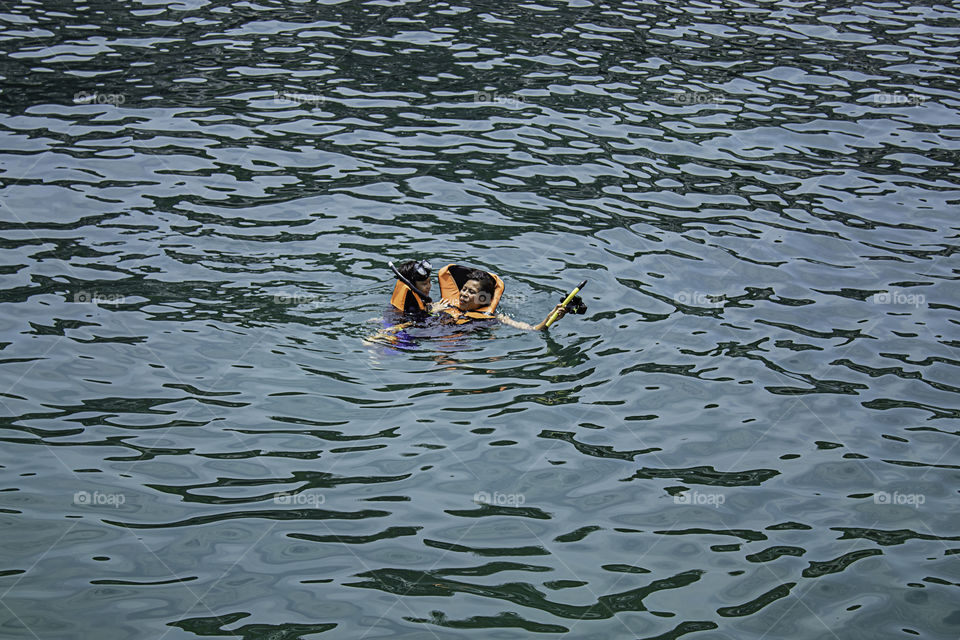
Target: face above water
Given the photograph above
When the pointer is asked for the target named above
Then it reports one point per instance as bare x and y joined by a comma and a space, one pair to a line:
471, 298
423, 286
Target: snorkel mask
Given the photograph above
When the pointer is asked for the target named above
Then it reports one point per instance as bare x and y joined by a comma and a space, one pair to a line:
422, 269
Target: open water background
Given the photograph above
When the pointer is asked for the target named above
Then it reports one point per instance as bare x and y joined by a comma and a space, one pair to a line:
751, 434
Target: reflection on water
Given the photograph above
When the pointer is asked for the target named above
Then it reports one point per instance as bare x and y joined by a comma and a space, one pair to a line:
749, 434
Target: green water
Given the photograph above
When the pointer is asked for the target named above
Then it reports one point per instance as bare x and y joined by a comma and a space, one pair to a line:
750, 434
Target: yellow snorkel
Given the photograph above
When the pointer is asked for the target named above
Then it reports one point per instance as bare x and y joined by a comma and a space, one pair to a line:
579, 308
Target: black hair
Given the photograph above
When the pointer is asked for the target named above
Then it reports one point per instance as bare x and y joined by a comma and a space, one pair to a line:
484, 279
413, 270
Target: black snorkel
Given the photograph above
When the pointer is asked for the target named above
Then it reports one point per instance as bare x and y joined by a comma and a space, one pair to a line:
422, 267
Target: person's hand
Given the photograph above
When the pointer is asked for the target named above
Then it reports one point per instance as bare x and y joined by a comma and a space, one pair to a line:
439, 306
560, 310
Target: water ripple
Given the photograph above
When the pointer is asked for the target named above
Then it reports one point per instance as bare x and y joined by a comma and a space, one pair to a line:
199, 202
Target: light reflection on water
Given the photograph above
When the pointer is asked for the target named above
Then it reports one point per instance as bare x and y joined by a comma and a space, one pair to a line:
749, 434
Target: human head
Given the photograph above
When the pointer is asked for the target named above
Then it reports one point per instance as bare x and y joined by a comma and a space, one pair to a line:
477, 290
417, 272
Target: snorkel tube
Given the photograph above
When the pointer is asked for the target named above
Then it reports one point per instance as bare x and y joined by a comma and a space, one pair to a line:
413, 288
566, 301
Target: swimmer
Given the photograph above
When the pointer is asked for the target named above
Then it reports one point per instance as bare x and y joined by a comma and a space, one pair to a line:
412, 291
467, 294
473, 294
411, 297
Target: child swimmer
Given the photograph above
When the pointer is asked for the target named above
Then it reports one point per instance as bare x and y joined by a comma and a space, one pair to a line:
411, 298
411, 294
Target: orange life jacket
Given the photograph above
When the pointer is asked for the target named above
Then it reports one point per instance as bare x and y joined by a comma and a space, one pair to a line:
405, 300
452, 278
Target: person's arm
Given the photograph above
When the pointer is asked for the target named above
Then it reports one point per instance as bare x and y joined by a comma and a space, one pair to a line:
529, 327
515, 323
387, 335
396, 327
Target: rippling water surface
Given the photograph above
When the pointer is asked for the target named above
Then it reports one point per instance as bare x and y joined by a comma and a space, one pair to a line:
751, 434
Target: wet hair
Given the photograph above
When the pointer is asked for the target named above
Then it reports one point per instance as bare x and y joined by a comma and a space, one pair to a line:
485, 280
413, 270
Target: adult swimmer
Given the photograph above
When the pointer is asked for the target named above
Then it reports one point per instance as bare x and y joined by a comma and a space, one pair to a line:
473, 294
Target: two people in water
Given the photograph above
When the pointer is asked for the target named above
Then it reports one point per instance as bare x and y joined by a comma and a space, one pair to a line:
466, 294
